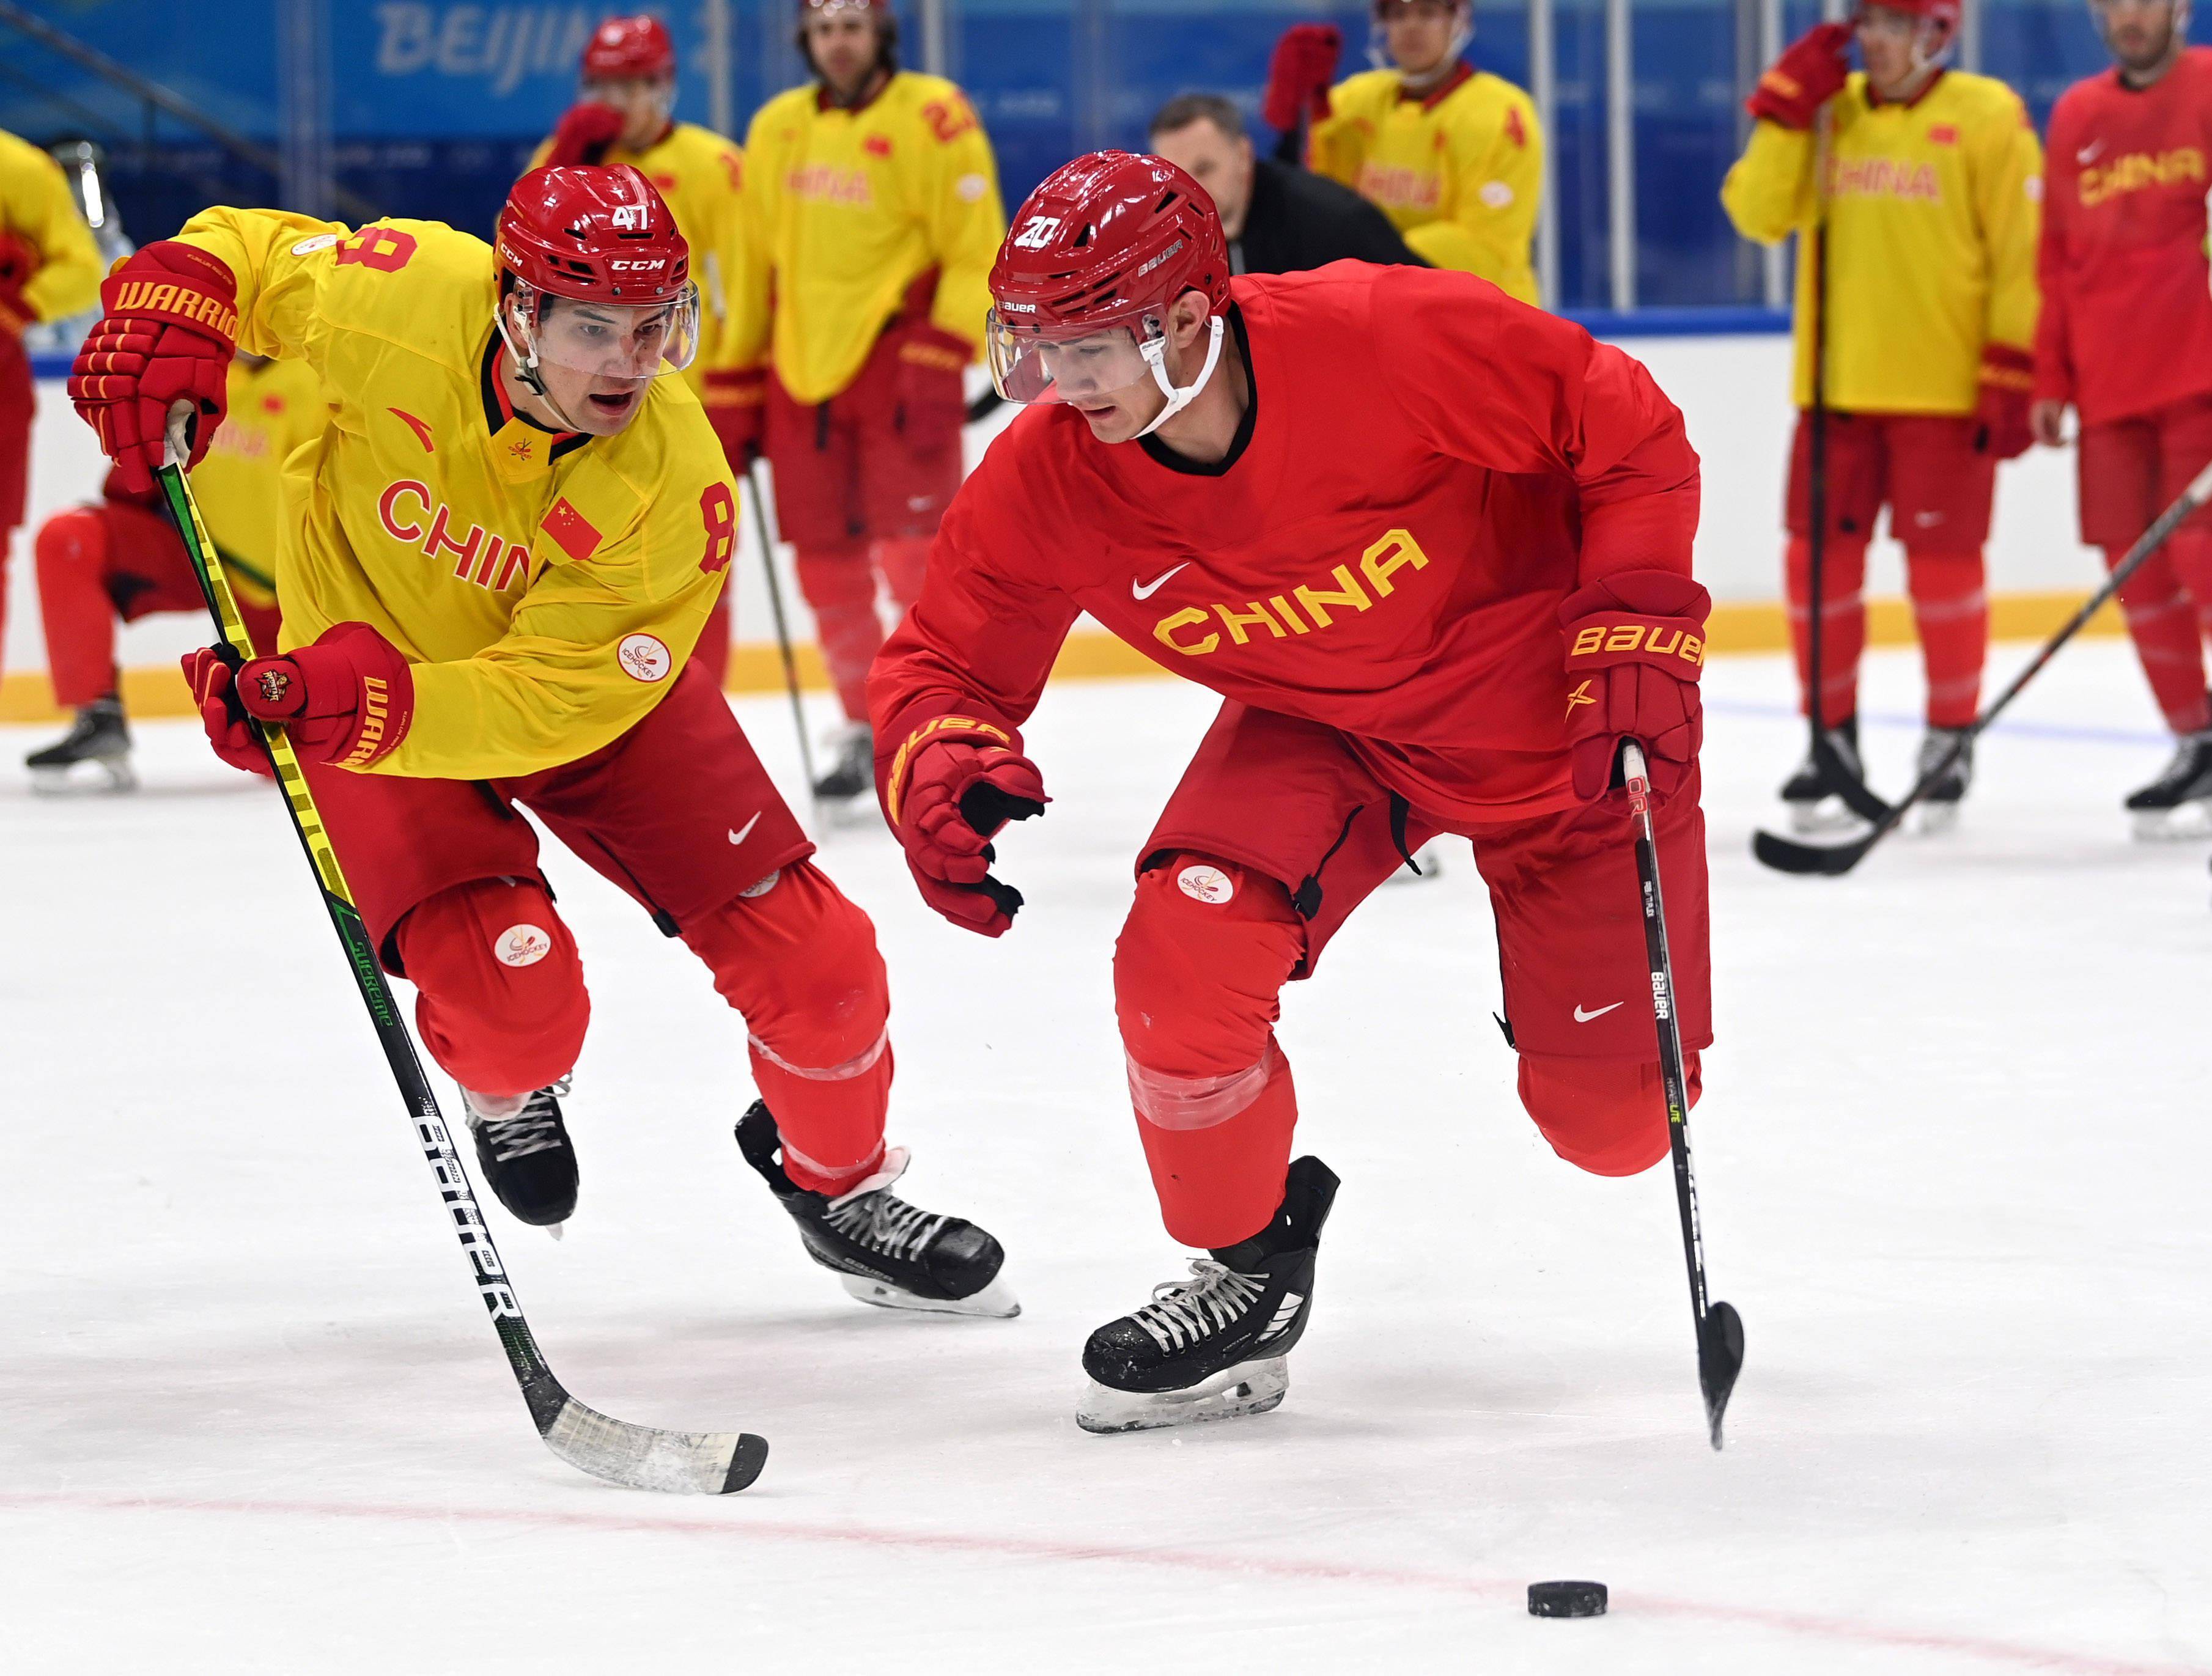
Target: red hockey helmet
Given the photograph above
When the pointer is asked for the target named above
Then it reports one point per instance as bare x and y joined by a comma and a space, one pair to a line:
1080, 291
626, 47
601, 236
1940, 17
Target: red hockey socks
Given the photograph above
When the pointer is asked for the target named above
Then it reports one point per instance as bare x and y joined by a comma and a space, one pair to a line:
799, 959
1951, 609
1843, 621
903, 559
72, 552
839, 585
2162, 622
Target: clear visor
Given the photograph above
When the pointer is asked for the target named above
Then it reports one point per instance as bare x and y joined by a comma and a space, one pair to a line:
607, 340
1027, 366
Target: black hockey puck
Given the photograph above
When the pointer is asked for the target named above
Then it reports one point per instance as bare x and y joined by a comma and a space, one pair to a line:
1566, 1599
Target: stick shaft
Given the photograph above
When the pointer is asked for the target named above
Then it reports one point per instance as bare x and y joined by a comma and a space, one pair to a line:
782, 627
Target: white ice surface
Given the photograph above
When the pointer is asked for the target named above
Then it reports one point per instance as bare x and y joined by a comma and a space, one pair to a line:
1954, 1158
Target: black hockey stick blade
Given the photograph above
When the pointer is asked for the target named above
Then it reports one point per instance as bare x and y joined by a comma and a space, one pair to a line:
1720, 1360
1790, 855
1856, 795
682, 1463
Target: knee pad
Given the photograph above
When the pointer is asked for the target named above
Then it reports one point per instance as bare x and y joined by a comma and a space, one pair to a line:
1606, 1117
502, 1004
798, 958
1198, 969
75, 538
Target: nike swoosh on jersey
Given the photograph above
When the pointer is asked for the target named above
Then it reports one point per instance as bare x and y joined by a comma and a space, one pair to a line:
739, 836
1147, 589
1581, 1018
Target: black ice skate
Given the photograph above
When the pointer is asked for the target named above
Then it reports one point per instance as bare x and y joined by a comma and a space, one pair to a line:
847, 790
528, 1158
2178, 803
1214, 1346
99, 739
886, 1252
1939, 809
1814, 800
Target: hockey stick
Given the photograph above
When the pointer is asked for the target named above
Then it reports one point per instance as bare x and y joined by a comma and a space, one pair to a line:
1720, 1329
1849, 787
1789, 856
782, 627
640, 1457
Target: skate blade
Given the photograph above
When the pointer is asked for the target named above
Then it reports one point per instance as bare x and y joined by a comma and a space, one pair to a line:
556, 1228
1249, 1387
1828, 817
2179, 825
112, 780
1933, 820
996, 1301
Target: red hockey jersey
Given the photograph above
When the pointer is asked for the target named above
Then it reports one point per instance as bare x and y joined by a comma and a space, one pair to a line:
2127, 314
1427, 470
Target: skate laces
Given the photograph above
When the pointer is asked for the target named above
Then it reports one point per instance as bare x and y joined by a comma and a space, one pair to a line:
884, 1221
535, 1128
1215, 1297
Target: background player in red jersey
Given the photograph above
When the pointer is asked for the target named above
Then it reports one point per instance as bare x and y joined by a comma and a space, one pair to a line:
2125, 338
1433, 547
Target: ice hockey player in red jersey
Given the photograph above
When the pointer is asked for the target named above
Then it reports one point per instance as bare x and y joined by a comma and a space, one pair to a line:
1432, 548
2125, 338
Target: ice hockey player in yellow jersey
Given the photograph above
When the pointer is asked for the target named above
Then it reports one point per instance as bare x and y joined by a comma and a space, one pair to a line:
1923, 283
49, 268
874, 203
492, 565
121, 559
626, 114
1454, 155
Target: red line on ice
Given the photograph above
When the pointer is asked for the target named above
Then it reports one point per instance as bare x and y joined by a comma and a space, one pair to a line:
1182, 1559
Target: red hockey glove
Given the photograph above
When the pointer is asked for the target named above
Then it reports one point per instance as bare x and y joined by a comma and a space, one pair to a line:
946, 797
736, 404
1298, 74
585, 134
931, 389
2002, 421
215, 695
171, 316
18, 262
1811, 72
1635, 649
348, 699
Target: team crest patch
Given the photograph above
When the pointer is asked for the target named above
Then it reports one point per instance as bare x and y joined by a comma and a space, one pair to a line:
525, 944
643, 657
1206, 884
752, 891
274, 684
309, 246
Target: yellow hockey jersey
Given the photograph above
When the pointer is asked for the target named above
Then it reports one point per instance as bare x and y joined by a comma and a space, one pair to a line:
275, 408
546, 587
703, 177
35, 206
847, 209
1458, 172
1933, 209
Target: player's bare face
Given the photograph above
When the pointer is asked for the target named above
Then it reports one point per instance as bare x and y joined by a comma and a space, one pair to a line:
845, 50
1890, 44
644, 104
1104, 378
1218, 162
596, 361
1418, 34
2138, 33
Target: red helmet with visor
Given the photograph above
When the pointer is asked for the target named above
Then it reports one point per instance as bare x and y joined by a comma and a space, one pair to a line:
1080, 292
604, 241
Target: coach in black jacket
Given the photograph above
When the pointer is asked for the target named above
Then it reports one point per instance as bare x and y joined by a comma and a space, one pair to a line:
1279, 219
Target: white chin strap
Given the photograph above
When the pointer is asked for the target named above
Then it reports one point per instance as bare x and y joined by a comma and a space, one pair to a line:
1378, 53
525, 366
1179, 396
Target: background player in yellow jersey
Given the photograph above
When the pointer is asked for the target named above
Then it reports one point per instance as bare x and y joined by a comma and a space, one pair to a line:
493, 562
874, 203
122, 559
49, 267
626, 114
1931, 211
1451, 154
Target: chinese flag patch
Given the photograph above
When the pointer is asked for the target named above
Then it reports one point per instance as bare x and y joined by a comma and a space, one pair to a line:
1514, 131
1943, 134
572, 531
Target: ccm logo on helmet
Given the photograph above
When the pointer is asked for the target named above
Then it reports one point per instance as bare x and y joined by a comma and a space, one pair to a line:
651, 267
